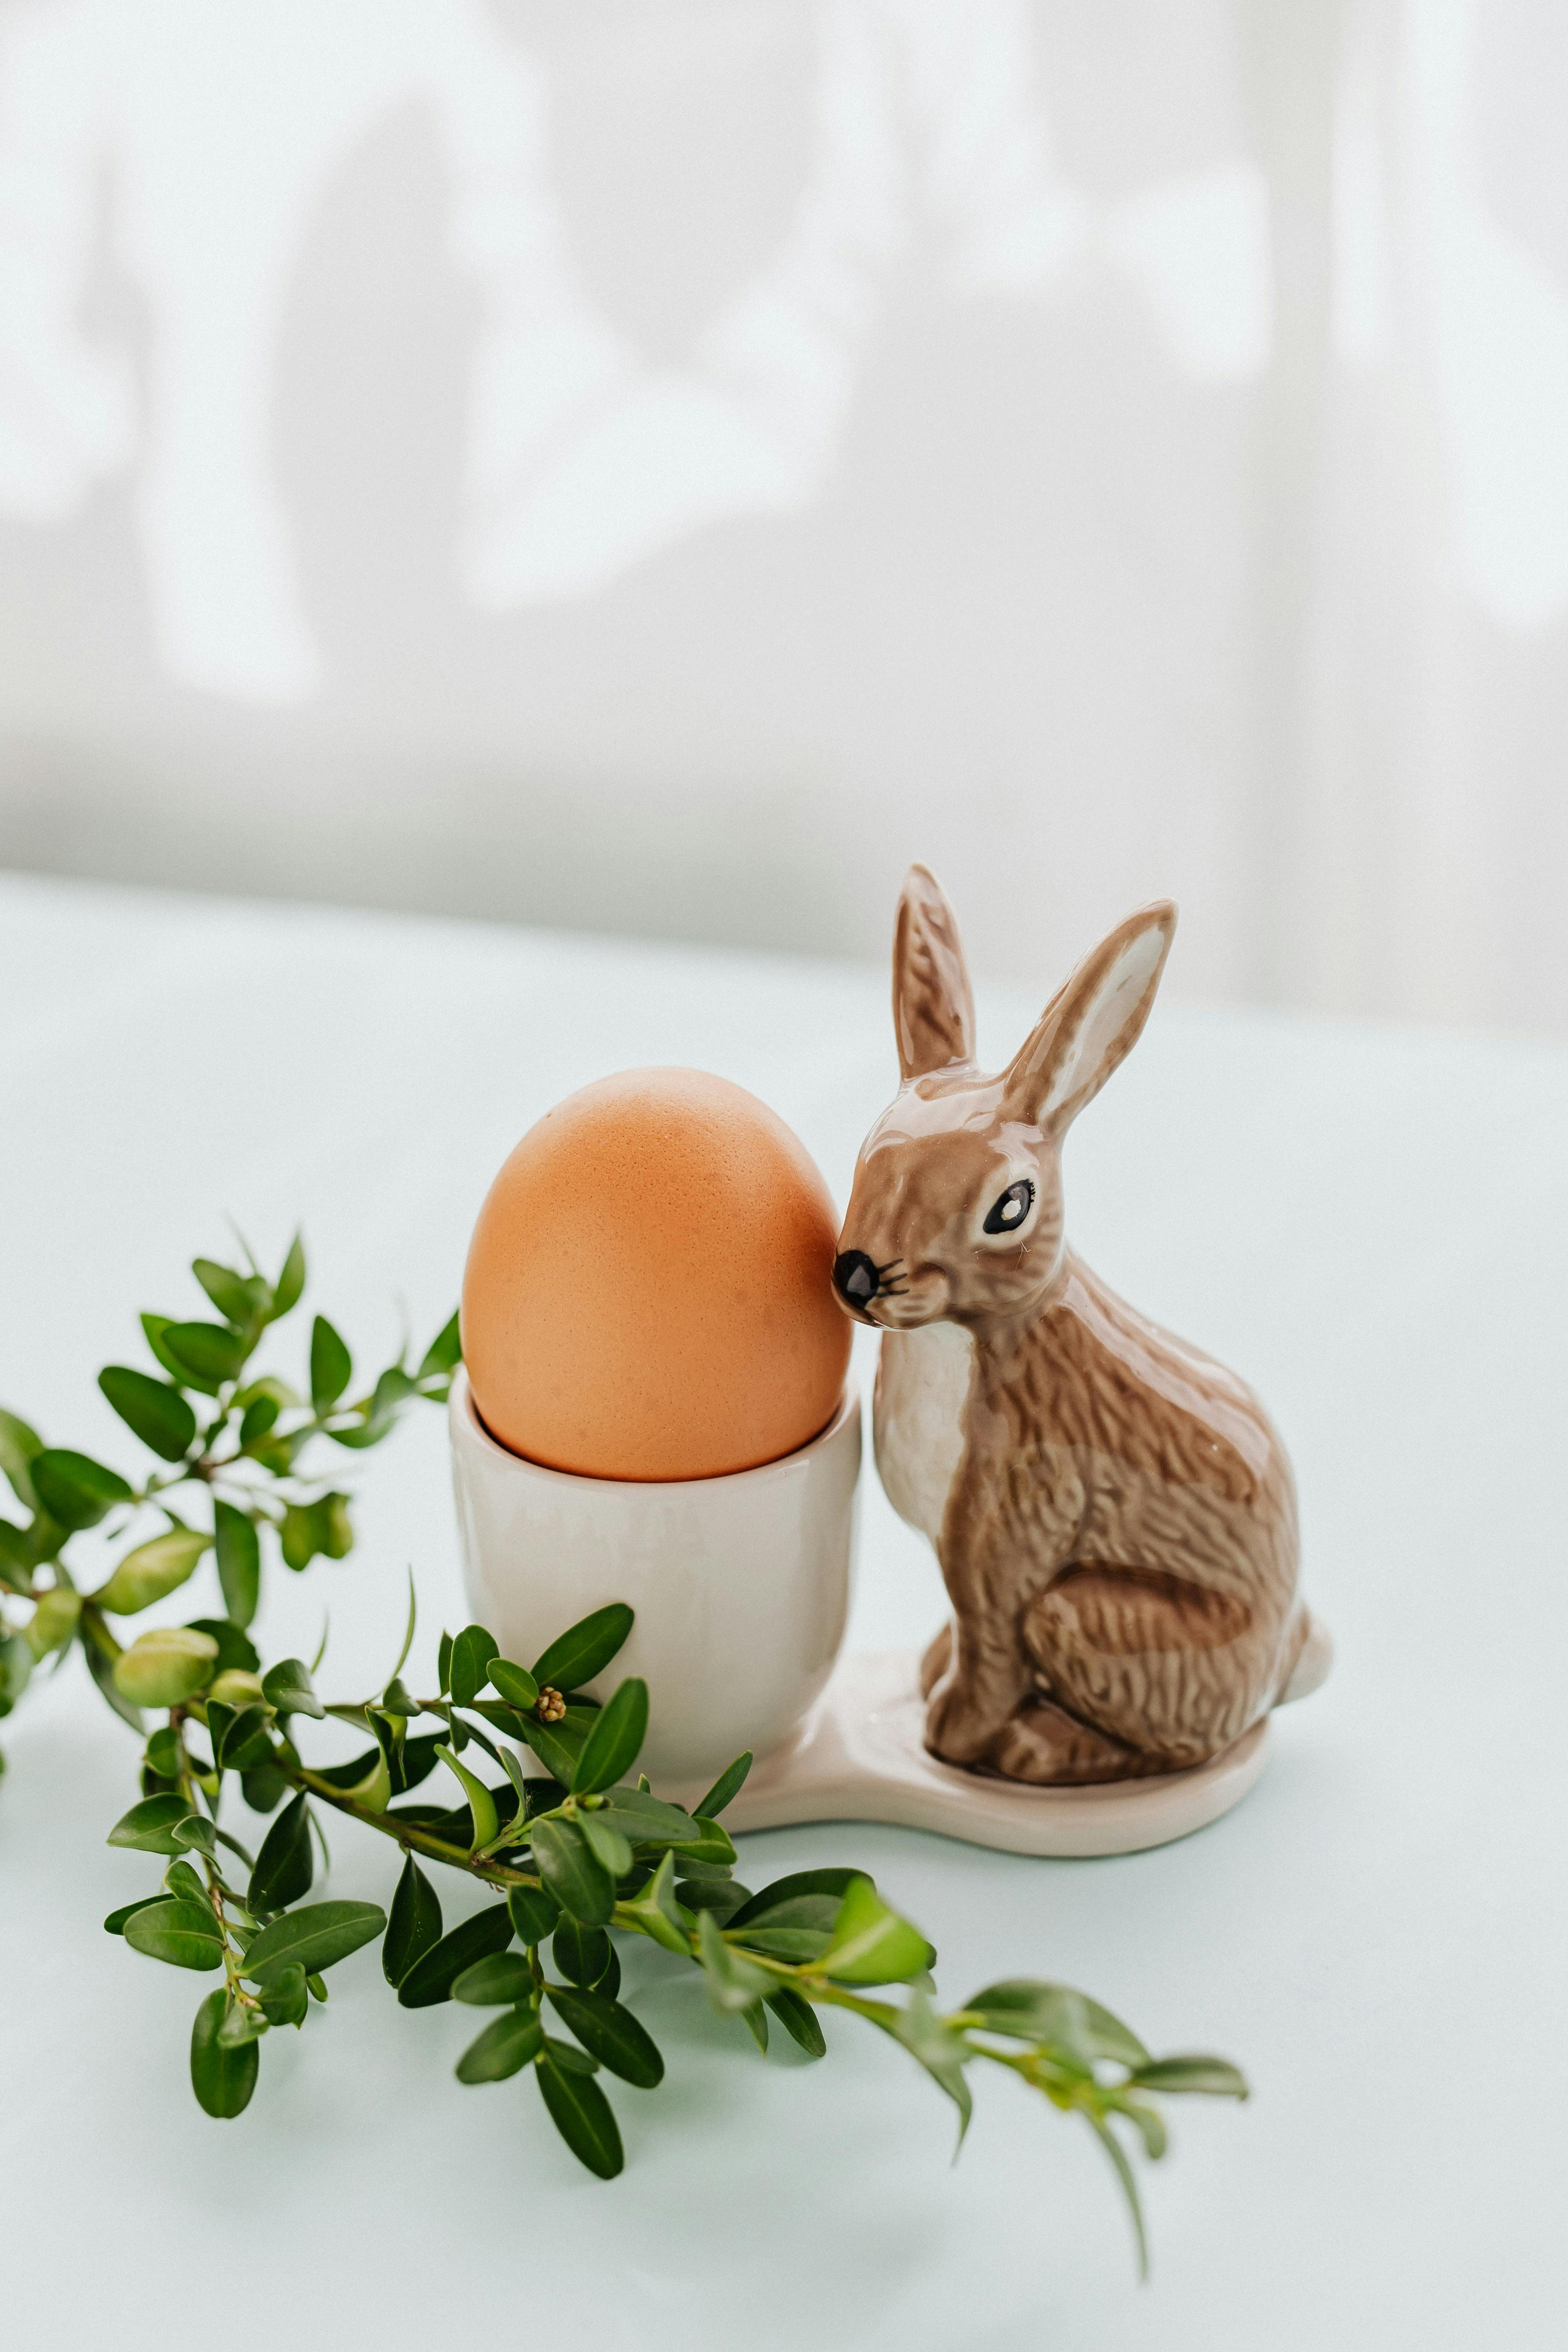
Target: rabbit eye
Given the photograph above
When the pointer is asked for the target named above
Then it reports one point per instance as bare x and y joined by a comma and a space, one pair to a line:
1008, 1213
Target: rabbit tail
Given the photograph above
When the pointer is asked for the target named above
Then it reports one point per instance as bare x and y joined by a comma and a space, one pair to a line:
1314, 1656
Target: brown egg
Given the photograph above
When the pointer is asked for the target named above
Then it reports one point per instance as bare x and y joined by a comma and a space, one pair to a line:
649, 1290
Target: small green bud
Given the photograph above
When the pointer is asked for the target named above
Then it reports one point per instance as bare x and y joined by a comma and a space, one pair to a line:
150, 1572
236, 1688
53, 1622
164, 1668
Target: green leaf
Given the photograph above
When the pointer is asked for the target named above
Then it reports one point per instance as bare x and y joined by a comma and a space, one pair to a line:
152, 1570
470, 1670
534, 1913
799, 2020
155, 1327
871, 1944
581, 1953
290, 1689
1147, 2122
611, 2034
569, 2057
283, 1997
238, 1561
611, 1747
1029, 2009
722, 1896
939, 2050
392, 1389
580, 1883
285, 1867
584, 1649
196, 1832
658, 1914
1215, 2078
148, 1828
186, 1935
417, 1761
316, 1937
430, 1979
222, 2078
367, 1779
482, 1803
264, 1787
504, 2048
19, 1448
243, 1742
207, 1356
324, 1525
115, 1922
515, 1683
1123, 2171
331, 1366
154, 1410
236, 1650
181, 1880
726, 1788
15, 1670
243, 2023
443, 1663
796, 1945
414, 1928
260, 1414
709, 1843
73, 1488
556, 1748
644, 1820
16, 1555
102, 1669
54, 1621
165, 1667
606, 1844
582, 2114
290, 1285
497, 1981
444, 1352
734, 1983
242, 1299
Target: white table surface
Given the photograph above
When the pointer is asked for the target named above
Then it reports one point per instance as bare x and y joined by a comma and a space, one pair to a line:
1371, 1225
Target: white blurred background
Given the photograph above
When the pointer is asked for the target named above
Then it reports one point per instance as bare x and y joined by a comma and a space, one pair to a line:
658, 465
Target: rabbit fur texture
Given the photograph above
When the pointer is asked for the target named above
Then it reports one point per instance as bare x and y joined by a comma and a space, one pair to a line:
1114, 1514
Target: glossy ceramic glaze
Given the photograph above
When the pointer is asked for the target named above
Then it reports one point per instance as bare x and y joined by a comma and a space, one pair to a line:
1114, 1514
860, 1756
740, 1583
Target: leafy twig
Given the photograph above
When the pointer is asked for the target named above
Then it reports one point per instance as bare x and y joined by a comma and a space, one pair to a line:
577, 1854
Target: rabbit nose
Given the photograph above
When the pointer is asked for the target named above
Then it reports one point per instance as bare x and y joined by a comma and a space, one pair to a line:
855, 1277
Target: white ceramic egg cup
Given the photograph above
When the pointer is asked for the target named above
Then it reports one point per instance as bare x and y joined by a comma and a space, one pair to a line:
740, 1586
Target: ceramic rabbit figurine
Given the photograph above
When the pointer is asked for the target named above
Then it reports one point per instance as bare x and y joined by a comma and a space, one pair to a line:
1114, 1514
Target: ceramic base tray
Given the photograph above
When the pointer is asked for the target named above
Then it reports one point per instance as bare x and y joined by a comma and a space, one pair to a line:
859, 1756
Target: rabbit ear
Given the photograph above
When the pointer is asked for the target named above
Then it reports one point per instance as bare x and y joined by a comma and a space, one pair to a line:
1092, 1024
934, 1008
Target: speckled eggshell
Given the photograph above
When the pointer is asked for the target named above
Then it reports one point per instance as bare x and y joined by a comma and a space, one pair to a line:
649, 1290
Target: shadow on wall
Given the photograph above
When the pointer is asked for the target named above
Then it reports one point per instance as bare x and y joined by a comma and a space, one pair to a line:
757, 872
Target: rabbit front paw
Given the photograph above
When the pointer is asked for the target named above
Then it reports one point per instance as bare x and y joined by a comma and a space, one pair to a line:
957, 1730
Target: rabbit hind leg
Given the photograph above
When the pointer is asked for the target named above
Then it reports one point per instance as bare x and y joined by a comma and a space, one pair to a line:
1169, 1667
1047, 1748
